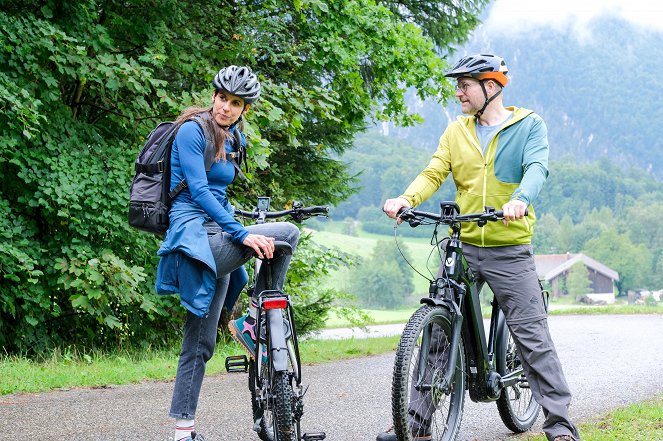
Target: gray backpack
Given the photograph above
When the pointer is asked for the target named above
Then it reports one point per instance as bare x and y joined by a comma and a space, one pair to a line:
149, 196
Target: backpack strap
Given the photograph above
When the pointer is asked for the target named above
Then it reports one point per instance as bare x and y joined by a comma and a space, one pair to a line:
209, 155
233, 158
210, 149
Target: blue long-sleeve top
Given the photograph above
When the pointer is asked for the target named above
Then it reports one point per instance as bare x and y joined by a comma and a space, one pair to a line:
207, 190
187, 265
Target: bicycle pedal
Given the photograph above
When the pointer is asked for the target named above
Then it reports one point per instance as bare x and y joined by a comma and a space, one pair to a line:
237, 363
313, 436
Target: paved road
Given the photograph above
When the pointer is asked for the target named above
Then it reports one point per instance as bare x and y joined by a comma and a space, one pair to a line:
609, 361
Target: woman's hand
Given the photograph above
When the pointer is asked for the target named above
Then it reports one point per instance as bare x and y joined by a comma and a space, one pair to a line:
262, 245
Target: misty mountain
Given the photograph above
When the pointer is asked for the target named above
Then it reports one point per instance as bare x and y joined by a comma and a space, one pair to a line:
598, 92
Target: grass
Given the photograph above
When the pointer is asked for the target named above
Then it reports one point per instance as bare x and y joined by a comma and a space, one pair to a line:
384, 317
363, 244
69, 369
638, 422
607, 309
378, 316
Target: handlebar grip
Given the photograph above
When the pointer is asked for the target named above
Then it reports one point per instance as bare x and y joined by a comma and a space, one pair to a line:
500, 213
317, 209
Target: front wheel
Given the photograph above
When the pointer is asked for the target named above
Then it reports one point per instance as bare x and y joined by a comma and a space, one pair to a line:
421, 405
516, 405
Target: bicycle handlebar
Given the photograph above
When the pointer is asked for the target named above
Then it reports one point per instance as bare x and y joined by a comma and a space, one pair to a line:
414, 217
297, 213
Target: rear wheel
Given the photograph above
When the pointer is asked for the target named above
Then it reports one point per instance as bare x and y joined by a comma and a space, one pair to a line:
516, 405
427, 407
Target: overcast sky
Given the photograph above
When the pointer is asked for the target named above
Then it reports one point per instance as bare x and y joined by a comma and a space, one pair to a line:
515, 16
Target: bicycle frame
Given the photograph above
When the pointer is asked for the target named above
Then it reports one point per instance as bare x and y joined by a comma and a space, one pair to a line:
458, 292
275, 385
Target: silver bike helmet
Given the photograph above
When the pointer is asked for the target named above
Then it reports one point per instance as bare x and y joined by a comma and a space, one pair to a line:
481, 67
238, 81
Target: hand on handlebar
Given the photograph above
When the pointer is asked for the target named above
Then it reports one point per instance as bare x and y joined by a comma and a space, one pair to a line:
262, 245
513, 210
392, 207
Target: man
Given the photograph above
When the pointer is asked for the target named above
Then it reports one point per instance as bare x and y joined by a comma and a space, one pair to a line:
498, 157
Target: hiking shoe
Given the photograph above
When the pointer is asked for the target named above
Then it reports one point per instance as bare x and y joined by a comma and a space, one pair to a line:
389, 435
564, 438
244, 331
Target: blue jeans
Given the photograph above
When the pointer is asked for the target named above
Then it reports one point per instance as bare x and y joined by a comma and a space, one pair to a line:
200, 333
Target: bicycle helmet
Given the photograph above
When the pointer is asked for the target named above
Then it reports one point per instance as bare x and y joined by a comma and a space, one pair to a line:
238, 81
481, 67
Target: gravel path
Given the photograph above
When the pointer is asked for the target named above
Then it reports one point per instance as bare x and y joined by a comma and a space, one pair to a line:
609, 361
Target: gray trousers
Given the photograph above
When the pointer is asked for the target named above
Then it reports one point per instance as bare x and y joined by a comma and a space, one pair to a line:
200, 333
511, 274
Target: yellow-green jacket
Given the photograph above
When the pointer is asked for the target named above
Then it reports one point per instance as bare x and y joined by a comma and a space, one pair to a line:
515, 166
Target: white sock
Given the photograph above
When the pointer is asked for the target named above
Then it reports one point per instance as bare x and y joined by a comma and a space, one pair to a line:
183, 429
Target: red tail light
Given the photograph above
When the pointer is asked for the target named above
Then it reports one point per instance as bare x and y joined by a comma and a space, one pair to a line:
279, 303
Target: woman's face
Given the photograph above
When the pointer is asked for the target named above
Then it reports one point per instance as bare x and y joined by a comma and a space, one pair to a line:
227, 108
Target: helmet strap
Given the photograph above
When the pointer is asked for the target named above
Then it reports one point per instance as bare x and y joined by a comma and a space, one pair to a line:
488, 100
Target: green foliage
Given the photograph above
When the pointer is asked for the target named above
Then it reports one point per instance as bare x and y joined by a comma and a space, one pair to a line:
81, 84
441, 20
577, 281
617, 251
384, 280
312, 301
384, 167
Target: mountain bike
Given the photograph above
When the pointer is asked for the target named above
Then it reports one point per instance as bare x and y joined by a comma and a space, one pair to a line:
443, 350
275, 375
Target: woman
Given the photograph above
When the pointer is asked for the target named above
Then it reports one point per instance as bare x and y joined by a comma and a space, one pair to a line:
205, 247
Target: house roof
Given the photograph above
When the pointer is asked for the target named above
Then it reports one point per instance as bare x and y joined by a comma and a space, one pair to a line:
549, 266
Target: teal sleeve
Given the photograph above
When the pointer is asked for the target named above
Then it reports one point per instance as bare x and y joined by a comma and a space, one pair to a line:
535, 163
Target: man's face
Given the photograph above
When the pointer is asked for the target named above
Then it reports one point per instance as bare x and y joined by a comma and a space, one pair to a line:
470, 95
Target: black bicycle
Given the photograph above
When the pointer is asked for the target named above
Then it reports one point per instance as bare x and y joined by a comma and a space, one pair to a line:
443, 350
275, 375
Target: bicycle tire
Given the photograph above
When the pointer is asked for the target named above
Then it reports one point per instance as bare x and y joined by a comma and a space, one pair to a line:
516, 405
282, 412
436, 413
277, 422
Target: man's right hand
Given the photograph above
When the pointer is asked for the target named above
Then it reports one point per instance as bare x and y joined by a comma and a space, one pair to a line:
391, 207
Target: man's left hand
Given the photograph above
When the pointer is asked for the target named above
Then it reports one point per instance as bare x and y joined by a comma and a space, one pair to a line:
513, 210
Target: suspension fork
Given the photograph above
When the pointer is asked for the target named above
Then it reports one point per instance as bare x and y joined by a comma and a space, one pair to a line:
456, 331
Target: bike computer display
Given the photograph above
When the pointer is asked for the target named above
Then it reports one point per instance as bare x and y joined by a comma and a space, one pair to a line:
263, 203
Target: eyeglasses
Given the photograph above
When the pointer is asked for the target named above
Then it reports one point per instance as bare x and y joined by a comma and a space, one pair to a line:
462, 87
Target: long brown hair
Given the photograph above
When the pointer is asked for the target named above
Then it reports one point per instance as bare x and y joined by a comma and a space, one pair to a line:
219, 133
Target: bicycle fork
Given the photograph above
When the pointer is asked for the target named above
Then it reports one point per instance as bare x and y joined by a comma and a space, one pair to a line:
456, 328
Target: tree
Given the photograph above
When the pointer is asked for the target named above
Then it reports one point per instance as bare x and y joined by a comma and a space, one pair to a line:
81, 84
619, 253
577, 281
384, 280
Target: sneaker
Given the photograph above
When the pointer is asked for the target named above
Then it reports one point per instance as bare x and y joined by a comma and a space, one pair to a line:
389, 435
564, 438
194, 437
244, 331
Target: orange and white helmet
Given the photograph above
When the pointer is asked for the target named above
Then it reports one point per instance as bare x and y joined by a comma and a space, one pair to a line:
480, 67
